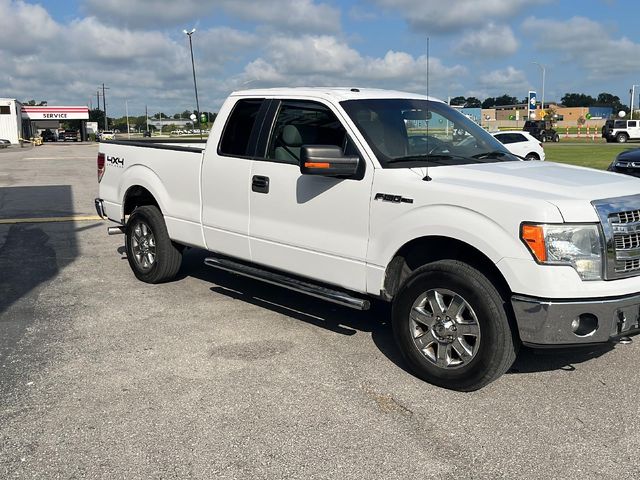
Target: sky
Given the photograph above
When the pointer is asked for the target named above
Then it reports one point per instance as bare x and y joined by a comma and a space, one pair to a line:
62, 51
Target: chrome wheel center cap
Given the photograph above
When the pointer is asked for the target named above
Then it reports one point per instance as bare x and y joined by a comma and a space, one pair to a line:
445, 331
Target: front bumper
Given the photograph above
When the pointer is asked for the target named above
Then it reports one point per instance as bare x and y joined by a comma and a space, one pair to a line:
545, 322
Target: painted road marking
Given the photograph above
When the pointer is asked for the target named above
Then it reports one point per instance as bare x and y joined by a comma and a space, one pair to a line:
73, 218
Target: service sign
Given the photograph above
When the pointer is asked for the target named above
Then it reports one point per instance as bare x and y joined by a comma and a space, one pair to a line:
55, 113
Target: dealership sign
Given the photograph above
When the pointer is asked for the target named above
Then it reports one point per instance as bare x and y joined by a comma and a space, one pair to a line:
54, 113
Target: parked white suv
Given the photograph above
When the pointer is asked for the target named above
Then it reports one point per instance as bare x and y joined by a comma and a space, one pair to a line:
521, 143
621, 131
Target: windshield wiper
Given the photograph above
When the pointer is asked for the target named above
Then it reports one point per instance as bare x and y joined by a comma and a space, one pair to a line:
426, 157
493, 154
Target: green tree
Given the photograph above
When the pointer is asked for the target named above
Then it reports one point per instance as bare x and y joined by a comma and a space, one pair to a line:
457, 101
473, 102
506, 100
577, 100
96, 115
489, 102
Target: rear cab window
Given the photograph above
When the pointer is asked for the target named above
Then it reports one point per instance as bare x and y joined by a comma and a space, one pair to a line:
241, 131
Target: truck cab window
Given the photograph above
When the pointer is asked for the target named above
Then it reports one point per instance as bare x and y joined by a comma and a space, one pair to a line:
303, 123
237, 132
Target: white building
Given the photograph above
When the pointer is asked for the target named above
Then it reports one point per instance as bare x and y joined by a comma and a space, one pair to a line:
10, 120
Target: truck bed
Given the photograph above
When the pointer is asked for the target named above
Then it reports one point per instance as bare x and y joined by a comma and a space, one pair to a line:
169, 169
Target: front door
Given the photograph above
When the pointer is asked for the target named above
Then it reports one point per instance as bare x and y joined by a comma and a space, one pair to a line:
309, 225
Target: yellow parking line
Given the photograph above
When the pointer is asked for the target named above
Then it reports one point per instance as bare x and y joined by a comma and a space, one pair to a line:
72, 218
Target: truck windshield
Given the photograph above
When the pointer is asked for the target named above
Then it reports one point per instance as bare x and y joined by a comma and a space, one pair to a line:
411, 132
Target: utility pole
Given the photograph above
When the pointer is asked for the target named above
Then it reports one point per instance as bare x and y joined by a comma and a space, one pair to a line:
98, 98
126, 109
104, 101
146, 114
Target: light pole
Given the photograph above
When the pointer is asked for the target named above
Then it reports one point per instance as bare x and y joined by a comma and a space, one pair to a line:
544, 71
126, 109
633, 94
193, 67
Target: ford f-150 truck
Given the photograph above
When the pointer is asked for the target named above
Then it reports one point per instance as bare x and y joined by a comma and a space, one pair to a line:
353, 194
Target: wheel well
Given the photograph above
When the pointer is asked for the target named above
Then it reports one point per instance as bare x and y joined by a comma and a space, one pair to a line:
421, 251
138, 196
532, 155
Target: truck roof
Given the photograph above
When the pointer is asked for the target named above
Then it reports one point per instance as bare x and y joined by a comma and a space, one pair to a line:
330, 93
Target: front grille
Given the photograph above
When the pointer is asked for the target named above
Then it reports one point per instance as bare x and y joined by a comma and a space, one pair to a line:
620, 220
627, 217
627, 242
628, 265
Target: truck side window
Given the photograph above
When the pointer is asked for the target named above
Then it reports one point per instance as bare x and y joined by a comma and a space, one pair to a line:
304, 123
237, 131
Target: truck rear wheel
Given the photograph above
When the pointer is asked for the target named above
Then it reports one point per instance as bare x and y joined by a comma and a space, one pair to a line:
451, 326
151, 254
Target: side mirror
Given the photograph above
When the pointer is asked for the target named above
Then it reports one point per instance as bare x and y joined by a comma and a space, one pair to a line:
326, 160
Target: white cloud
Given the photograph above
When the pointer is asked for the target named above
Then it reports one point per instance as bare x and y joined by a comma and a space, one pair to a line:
298, 15
490, 41
65, 63
586, 43
326, 60
139, 14
24, 28
508, 79
436, 16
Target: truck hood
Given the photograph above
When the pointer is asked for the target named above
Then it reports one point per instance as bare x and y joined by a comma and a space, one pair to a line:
571, 189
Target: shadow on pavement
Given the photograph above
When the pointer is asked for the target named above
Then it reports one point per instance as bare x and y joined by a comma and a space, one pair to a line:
344, 321
30, 255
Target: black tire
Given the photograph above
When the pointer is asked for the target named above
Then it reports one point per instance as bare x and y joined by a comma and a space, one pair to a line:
556, 137
495, 347
622, 138
543, 137
140, 247
532, 156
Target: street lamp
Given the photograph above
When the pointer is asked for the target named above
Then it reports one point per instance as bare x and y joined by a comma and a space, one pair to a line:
544, 70
633, 94
193, 67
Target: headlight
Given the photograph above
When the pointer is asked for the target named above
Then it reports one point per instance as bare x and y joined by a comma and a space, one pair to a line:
575, 245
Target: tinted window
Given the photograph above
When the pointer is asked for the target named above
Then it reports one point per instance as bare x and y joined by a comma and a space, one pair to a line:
304, 123
517, 137
631, 124
620, 124
237, 132
5, 110
504, 138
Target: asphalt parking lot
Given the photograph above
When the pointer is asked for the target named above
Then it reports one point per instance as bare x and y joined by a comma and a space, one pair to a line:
213, 376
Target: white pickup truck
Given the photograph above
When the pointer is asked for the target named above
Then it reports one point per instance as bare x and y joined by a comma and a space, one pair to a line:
353, 194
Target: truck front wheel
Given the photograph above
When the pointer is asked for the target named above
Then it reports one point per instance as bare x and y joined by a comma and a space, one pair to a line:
451, 326
151, 254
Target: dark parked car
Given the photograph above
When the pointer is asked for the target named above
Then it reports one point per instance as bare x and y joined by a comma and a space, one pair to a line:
4, 143
147, 133
627, 162
48, 136
542, 130
68, 136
